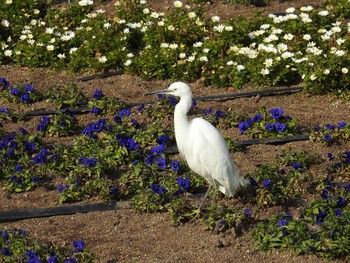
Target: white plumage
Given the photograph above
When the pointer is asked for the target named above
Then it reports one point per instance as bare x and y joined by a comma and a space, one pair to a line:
202, 145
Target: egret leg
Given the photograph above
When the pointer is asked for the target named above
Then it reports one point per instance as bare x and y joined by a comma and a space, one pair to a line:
204, 198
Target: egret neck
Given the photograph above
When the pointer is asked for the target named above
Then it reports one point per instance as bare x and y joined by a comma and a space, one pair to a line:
181, 122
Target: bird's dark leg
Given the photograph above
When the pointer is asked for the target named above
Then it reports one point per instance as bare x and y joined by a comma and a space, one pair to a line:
215, 195
204, 198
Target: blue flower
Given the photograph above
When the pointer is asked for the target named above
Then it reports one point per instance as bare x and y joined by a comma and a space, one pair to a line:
28, 88
174, 165
253, 182
61, 188
338, 212
71, 260
157, 189
325, 195
124, 113
276, 113
140, 108
194, 103
88, 162
41, 157
135, 124
158, 150
242, 126
6, 252
35, 180
150, 159
327, 137
4, 235
267, 183
95, 110
29, 146
113, 190
218, 113
330, 156
208, 111
5, 83
183, 183
162, 139
282, 222
14, 92
330, 127
269, 127
4, 110
23, 131
247, 212
341, 202
257, 118
320, 217
280, 127
160, 96
341, 125
173, 100
25, 98
78, 245
296, 165
52, 259
161, 163
97, 94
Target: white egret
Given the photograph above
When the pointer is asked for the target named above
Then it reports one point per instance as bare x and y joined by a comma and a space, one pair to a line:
203, 146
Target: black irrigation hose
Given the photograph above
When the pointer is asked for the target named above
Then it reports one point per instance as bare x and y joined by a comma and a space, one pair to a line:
272, 92
14, 215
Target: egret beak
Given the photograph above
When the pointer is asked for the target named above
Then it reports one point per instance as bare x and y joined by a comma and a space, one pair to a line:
162, 91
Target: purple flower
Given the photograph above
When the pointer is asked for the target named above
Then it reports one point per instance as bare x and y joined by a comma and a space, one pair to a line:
330, 156
28, 88
325, 195
341, 201
253, 182
330, 127
157, 189
140, 108
280, 127
150, 159
276, 113
174, 165
25, 98
267, 183
14, 92
61, 188
269, 127
242, 126
341, 125
95, 110
338, 212
160, 96
183, 183
4, 110
327, 137
208, 111
194, 103
78, 245
282, 222
161, 163
5, 83
257, 118
158, 150
218, 113
173, 100
97, 94
162, 139
296, 165
124, 113
247, 212
6, 252
320, 217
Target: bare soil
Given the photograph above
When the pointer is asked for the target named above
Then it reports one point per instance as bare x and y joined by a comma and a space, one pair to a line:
126, 236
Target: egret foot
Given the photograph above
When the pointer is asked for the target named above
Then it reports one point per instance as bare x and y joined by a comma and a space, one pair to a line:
204, 198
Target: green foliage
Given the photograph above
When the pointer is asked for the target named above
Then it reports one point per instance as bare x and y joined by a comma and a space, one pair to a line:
67, 96
17, 246
331, 134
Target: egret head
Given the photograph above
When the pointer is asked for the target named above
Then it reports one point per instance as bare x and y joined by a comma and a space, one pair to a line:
178, 89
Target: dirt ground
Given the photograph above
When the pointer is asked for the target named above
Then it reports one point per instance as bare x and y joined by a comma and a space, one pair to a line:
126, 236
